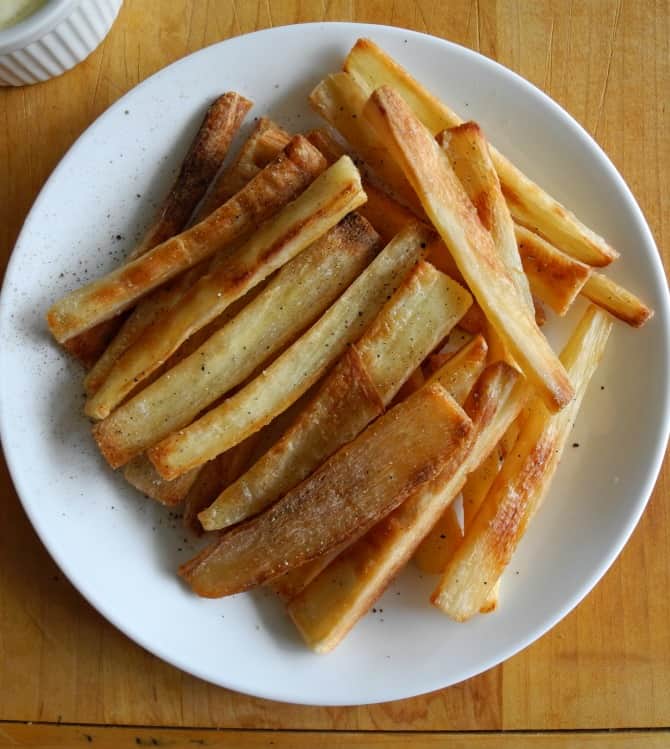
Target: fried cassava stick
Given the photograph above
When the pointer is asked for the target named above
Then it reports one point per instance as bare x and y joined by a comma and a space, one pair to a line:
334, 194
471, 246
204, 158
356, 487
524, 478
409, 326
293, 299
298, 368
277, 184
371, 68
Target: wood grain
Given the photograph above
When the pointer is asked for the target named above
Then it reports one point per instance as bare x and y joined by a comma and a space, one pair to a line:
51, 737
608, 664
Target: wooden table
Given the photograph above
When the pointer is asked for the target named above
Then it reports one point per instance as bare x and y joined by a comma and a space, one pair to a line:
67, 677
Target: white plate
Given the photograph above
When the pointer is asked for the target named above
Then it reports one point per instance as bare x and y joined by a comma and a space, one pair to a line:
121, 551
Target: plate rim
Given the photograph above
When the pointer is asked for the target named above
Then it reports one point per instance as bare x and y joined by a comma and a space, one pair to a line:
655, 461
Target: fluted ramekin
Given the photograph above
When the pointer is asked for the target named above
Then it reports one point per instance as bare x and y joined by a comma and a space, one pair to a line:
54, 39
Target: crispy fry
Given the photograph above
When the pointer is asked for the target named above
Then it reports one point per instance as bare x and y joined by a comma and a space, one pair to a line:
264, 144
456, 219
288, 586
420, 313
617, 300
295, 297
205, 156
435, 550
298, 368
334, 194
144, 477
371, 68
357, 486
468, 153
555, 278
202, 162
272, 188
262, 147
462, 369
522, 482
340, 101
335, 600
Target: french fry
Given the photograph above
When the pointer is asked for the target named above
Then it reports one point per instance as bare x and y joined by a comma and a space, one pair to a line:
468, 153
555, 278
455, 217
325, 202
340, 101
272, 188
298, 368
205, 156
144, 477
461, 369
357, 486
435, 550
293, 299
263, 146
288, 586
531, 206
420, 313
616, 300
265, 143
524, 478
337, 598
415, 381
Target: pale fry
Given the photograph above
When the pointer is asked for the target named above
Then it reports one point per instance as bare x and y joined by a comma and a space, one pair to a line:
435, 550
555, 278
420, 313
617, 300
294, 298
468, 153
144, 477
461, 369
371, 67
360, 484
298, 368
327, 200
340, 101
288, 586
454, 216
335, 600
522, 483
272, 188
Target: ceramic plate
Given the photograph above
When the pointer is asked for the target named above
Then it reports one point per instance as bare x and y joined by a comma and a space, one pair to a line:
121, 551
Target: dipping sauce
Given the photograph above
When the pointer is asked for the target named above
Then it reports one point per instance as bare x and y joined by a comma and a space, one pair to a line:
14, 11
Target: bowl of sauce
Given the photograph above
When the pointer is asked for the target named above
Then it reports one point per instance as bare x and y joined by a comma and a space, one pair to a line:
41, 39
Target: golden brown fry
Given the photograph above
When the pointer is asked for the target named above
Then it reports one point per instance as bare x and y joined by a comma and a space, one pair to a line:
357, 486
555, 278
617, 300
455, 217
298, 368
273, 187
288, 586
205, 156
520, 486
202, 162
144, 477
411, 323
294, 298
262, 147
461, 369
265, 143
371, 68
468, 152
340, 101
437, 548
334, 194
335, 600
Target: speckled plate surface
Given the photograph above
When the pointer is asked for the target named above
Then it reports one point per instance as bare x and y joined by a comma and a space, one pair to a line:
121, 551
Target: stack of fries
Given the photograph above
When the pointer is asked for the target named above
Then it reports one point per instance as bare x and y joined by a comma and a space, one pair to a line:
272, 353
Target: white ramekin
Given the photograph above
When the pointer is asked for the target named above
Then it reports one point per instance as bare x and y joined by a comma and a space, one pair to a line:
54, 39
